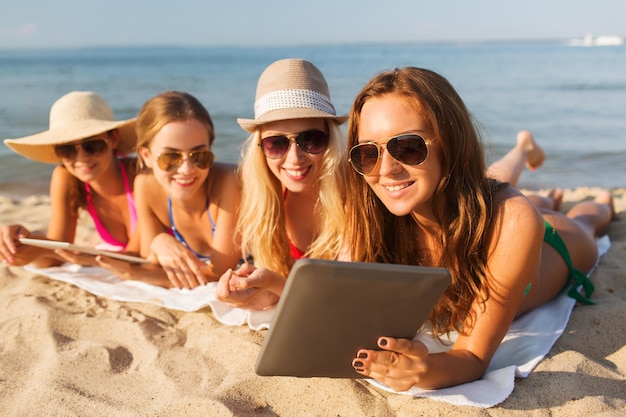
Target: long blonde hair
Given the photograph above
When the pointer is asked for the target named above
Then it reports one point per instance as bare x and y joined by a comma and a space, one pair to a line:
262, 221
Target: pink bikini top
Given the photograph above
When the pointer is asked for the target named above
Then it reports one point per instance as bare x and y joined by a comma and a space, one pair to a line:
110, 243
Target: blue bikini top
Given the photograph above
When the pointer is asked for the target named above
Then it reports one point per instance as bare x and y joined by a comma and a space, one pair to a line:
180, 237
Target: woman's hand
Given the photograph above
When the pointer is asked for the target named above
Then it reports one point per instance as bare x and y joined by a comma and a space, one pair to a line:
77, 257
148, 272
401, 363
9, 244
249, 287
183, 268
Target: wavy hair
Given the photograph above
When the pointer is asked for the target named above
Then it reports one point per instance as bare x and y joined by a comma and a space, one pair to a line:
262, 221
168, 107
463, 202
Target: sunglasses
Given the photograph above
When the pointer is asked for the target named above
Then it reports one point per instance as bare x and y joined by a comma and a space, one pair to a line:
408, 149
168, 161
311, 141
90, 147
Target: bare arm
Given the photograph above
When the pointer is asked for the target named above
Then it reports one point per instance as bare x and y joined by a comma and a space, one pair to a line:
182, 268
226, 193
513, 262
61, 226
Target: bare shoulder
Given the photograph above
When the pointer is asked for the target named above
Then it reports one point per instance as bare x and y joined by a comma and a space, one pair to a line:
60, 173
223, 175
146, 187
62, 182
516, 217
144, 180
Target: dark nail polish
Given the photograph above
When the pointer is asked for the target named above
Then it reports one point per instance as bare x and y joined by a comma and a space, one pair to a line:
358, 363
362, 355
383, 342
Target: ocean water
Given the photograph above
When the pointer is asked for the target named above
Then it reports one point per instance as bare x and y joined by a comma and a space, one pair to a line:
572, 98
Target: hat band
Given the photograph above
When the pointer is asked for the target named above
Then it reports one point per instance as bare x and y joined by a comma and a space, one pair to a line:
292, 99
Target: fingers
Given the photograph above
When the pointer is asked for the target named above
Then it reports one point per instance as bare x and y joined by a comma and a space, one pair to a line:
400, 365
76, 258
223, 288
184, 273
9, 238
245, 269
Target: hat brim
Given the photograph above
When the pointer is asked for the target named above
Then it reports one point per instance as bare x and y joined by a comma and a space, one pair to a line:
40, 146
251, 125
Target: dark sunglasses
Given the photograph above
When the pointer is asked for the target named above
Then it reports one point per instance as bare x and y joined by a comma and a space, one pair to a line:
173, 159
409, 149
311, 141
90, 147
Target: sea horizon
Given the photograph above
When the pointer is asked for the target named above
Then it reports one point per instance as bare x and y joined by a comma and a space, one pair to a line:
572, 98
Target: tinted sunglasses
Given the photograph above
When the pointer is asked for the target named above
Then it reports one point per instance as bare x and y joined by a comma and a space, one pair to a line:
408, 149
168, 161
90, 147
311, 141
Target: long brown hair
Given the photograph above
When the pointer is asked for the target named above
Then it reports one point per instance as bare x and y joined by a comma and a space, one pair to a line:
463, 202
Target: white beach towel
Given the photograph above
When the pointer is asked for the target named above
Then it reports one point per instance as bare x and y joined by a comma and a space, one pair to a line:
528, 340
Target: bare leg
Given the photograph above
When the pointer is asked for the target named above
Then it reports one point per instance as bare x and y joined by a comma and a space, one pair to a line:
582, 224
578, 229
594, 216
526, 153
551, 202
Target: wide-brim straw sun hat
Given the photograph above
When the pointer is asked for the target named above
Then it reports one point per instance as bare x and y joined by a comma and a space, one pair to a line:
291, 89
75, 116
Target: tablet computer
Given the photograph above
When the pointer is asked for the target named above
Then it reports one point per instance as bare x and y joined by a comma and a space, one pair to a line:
55, 244
330, 309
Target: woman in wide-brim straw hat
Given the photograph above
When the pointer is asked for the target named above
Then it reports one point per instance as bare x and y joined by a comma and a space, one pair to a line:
293, 173
86, 141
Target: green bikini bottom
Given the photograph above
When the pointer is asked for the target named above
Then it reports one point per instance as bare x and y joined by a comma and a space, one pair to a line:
580, 279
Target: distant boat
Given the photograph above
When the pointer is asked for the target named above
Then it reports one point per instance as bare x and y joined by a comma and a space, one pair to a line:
590, 40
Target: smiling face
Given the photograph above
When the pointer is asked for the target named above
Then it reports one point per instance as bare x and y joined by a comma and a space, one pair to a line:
180, 182
91, 166
402, 188
297, 170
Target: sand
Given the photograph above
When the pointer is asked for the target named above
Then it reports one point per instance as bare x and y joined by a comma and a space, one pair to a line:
64, 351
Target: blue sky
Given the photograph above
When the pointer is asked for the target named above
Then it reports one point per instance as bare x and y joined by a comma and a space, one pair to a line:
80, 23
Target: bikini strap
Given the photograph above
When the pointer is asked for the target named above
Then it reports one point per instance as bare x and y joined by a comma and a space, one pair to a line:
580, 279
132, 210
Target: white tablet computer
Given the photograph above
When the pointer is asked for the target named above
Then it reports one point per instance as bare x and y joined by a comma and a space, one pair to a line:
330, 309
55, 244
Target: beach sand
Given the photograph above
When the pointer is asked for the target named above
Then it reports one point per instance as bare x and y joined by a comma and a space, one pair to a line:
64, 351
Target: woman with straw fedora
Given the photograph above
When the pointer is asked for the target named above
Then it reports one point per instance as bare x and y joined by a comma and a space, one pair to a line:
292, 171
85, 140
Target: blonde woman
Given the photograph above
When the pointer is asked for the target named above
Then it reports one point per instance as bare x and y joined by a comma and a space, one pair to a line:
186, 203
293, 173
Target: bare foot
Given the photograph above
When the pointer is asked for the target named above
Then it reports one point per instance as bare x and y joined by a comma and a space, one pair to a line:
534, 154
556, 196
605, 197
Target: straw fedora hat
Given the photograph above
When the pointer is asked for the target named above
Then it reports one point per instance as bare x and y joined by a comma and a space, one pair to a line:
75, 116
291, 89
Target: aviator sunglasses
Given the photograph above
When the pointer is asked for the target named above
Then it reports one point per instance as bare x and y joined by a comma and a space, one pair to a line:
311, 141
90, 147
202, 159
408, 149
